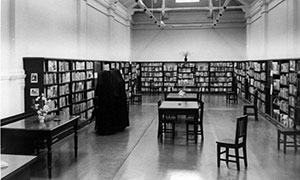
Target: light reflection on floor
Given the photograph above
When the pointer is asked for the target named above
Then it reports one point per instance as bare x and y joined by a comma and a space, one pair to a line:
183, 175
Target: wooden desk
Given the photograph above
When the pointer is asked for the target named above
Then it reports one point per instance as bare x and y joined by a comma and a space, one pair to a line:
18, 167
48, 132
179, 108
186, 97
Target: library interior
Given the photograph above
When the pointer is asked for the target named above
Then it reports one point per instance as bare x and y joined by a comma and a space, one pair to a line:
150, 89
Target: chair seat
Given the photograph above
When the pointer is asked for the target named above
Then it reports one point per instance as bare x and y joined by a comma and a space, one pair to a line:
226, 141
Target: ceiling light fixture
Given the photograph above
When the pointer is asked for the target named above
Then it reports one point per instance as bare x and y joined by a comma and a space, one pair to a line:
150, 14
221, 11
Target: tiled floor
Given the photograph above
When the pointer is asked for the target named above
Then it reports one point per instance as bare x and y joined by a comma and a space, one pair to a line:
137, 154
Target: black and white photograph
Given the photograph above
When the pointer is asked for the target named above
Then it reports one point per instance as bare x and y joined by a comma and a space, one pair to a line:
150, 89
34, 78
34, 92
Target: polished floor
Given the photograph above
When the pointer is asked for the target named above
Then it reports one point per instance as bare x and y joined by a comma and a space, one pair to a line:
137, 154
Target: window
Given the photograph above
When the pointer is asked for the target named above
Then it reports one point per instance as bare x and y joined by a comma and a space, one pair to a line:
186, 1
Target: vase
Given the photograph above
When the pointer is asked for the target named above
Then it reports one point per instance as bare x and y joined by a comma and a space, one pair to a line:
42, 118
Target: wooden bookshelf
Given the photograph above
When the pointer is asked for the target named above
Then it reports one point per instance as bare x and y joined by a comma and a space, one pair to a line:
202, 76
151, 71
69, 84
220, 74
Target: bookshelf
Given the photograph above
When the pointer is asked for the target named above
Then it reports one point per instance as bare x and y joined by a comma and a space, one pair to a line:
260, 76
293, 95
135, 76
151, 71
170, 76
186, 77
220, 74
240, 73
69, 84
202, 76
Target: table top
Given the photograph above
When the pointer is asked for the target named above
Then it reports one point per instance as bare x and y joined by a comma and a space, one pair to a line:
185, 96
179, 105
33, 123
15, 163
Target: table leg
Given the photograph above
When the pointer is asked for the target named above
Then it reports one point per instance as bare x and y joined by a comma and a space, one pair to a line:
278, 139
76, 139
159, 133
49, 157
284, 143
196, 127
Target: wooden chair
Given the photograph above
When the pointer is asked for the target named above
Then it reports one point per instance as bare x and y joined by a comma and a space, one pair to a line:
282, 138
236, 144
253, 107
153, 88
136, 98
190, 123
232, 95
166, 124
285, 134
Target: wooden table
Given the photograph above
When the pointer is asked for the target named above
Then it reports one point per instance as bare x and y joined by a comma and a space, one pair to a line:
179, 108
18, 167
40, 133
185, 97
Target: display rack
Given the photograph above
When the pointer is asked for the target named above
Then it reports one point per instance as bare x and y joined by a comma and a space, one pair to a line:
69, 84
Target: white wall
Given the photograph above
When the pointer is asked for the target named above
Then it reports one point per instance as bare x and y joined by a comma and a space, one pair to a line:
202, 44
60, 29
273, 29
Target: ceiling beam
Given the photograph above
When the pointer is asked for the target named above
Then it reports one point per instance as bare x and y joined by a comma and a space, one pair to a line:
210, 5
244, 2
163, 7
188, 8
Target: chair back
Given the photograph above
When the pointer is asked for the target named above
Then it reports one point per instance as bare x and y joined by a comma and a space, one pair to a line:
158, 103
199, 95
241, 130
201, 103
255, 97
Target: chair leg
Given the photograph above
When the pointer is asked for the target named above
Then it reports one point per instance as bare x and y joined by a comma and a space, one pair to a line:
202, 132
284, 143
295, 141
187, 131
245, 156
173, 130
256, 114
245, 110
218, 155
278, 140
227, 155
237, 158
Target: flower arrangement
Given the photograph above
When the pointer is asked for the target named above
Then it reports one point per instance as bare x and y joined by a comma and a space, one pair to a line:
185, 55
41, 105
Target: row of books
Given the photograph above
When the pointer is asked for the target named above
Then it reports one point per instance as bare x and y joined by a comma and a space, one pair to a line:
78, 108
51, 91
64, 77
77, 97
78, 86
220, 84
157, 74
50, 78
64, 101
